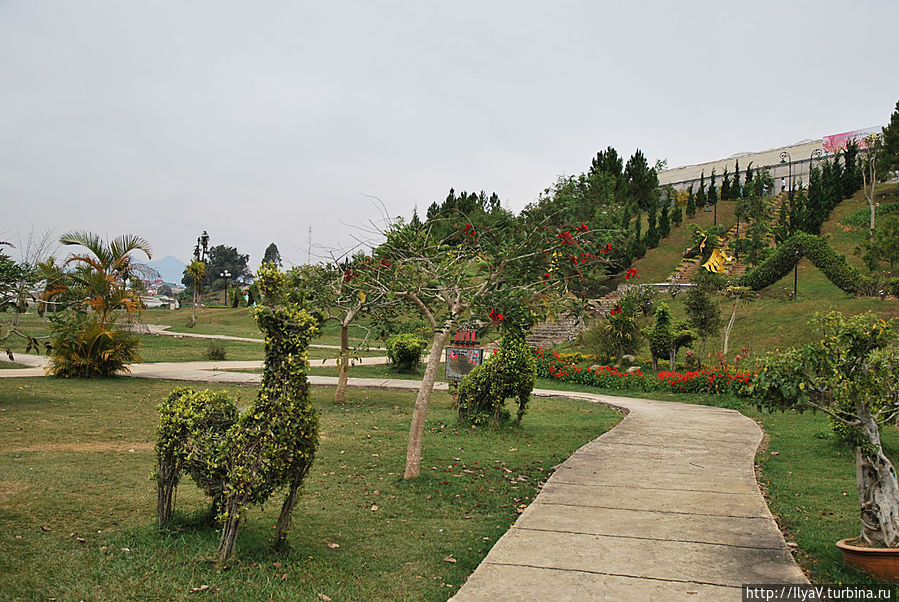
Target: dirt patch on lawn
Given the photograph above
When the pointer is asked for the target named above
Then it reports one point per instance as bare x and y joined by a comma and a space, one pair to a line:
10, 488
96, 447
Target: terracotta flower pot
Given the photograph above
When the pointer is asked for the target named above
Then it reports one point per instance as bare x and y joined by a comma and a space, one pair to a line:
882, 563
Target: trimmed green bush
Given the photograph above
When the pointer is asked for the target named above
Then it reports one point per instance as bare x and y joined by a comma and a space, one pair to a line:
405, 351
510, 372
824, 257
215, 351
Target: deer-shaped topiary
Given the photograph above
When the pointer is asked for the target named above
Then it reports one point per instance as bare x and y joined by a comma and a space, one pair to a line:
241, 458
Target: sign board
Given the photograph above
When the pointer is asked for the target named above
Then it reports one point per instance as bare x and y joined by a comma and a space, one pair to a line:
837, 142
462, 360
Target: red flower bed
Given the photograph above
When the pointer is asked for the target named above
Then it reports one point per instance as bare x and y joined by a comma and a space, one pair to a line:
552, 364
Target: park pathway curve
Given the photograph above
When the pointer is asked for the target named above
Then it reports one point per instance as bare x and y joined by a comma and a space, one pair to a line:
665, 506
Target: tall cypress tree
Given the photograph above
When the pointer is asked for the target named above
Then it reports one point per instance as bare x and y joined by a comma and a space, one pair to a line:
691, 201
889, 156
736, 191
664, 219
712, 198
701, 198
725, 186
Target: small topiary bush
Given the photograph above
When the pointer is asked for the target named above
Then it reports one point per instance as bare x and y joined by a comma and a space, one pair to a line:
510, 372
242, 458
405, 351
215, 351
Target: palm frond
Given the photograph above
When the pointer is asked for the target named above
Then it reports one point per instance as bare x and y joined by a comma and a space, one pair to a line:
124, 244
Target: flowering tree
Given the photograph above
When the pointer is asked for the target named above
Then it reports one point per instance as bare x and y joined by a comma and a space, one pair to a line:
461, 278
340, 290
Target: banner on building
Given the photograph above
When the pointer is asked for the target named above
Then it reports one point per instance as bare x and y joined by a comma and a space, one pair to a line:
837, 142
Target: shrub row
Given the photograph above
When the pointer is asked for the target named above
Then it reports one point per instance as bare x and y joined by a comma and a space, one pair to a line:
833, 264
715, 381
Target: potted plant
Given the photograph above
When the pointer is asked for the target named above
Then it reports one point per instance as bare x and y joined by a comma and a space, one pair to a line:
850, 374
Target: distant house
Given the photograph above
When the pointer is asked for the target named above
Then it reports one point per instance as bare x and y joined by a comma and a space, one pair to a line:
163, 301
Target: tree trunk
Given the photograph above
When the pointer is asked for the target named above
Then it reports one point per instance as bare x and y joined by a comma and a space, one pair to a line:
672, 357
869, 194
655, 362
730, 325
290, 502
878, 490
343, 361
416, 432
229, 532
166, 485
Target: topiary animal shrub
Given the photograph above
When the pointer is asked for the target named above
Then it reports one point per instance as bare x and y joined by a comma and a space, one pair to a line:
510, 372
405, 351
238, 458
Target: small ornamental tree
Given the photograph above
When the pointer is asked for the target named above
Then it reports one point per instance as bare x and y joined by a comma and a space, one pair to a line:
869, 161
885, 246
703, 314
338, 290
666, 337
850, 375
691, 202
735, 293
618, 332
450, 278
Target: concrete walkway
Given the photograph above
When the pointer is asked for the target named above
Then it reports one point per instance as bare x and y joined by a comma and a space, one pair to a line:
204, 371
163, 330
665, 506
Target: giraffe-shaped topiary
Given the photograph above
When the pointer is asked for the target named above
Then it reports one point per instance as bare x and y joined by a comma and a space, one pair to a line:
242, 458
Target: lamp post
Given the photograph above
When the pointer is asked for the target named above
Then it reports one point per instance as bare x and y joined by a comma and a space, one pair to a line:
796, 276
226, 275
786, 158
816, 154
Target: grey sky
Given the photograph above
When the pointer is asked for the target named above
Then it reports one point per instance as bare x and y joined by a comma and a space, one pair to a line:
256, 120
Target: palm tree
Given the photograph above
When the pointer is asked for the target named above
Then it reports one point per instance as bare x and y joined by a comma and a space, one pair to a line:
196, 270
100, 278
85, 342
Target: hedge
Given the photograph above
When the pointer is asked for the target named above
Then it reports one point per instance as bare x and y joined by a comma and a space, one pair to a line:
834, 266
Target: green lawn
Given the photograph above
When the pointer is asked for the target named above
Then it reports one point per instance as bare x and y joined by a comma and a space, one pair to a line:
237, 323
75, 462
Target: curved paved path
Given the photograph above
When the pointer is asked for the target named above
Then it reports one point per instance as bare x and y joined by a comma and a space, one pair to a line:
163, 329
665, 506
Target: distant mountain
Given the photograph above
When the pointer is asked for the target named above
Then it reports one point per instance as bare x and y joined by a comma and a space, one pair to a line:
170, 269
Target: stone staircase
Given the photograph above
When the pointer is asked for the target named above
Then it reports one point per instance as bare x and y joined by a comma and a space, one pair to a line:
566, 328
547, 334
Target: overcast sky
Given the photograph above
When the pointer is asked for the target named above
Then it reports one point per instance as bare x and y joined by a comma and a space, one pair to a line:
257, 120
